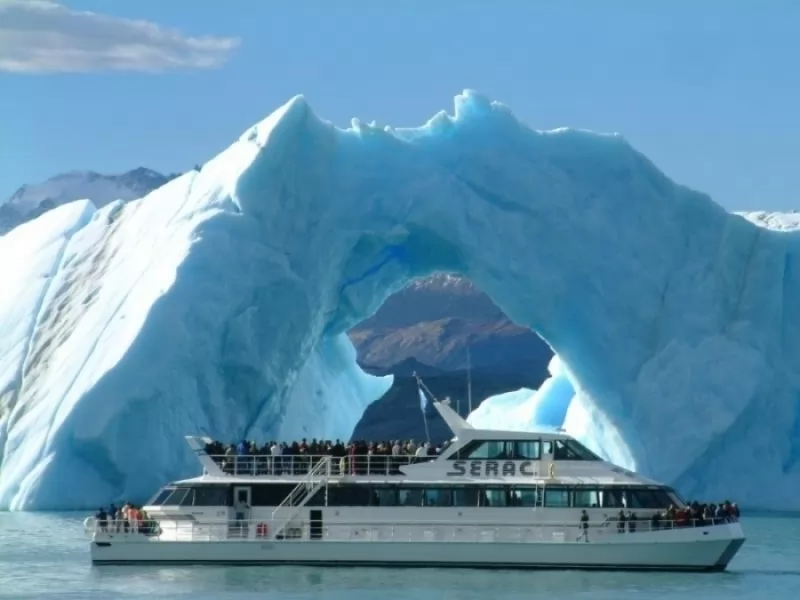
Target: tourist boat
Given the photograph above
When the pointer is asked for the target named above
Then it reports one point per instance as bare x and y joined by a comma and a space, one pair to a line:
497, 499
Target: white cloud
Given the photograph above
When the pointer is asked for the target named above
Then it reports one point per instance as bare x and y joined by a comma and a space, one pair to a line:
43, 36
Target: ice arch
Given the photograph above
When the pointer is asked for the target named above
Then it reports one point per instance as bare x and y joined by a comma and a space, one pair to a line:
211, 302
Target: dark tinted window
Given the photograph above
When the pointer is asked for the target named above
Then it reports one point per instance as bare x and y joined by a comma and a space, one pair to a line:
488, 449
662, 498
270, 494
176, 497
581, 451
648, 498
159, 498
572, 450
556, 497
528, 450
211, 495
463, 453
437, 497
409, 497
585, 498
349, 495
465, 496
612, 498
676, 498
384, 496
493, 450
527, 497
494, 497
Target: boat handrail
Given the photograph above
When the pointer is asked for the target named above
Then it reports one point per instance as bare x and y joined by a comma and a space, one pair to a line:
301, 464
606, 522
411, 530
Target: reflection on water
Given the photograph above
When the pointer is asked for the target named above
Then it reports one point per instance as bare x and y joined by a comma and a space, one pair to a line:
46, 556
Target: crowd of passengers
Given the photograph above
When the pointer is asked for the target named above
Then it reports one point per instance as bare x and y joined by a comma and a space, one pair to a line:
296, 458
128, 519
692, 515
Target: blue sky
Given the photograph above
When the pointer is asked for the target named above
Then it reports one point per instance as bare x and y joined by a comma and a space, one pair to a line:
708, 90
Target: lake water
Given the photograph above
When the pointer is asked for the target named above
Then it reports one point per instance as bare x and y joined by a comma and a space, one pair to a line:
47, 556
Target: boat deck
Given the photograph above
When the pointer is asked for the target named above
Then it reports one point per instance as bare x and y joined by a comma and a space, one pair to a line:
608, 531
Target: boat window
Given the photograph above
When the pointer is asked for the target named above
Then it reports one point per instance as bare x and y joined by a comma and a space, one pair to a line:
572, 450
662, 497
494, 497
410, 496
384, 496
349, 495
464, 453
176, 497
493, 450
528, 449
648, 498
437, 497
676, 498
210, 495
465, 497
586, 498
611, 498
582, 451
525, 496
159, 498
269, 494
188, 499
556, 497
642, 498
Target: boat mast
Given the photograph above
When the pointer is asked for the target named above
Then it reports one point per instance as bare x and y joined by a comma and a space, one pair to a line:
469, 382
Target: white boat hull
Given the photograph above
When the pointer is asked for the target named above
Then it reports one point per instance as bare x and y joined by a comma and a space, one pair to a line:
691, 549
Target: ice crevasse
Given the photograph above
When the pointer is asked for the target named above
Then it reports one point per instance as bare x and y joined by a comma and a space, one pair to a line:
218, 304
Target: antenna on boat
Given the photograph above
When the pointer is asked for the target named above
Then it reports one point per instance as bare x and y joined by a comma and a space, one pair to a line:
469, 381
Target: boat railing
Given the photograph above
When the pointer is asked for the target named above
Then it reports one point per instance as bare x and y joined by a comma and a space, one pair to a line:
302, 464
307, 530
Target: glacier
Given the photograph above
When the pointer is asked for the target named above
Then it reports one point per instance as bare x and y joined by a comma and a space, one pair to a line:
218, 304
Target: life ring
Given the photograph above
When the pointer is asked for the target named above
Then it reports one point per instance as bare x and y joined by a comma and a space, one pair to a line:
261, 530
552, 471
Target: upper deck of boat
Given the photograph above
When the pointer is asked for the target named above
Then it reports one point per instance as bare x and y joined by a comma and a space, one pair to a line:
478, 456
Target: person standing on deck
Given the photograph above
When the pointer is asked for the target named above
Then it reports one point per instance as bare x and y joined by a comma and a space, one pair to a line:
584, 526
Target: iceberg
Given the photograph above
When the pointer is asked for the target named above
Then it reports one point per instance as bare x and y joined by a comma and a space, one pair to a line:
529, 410
218, 304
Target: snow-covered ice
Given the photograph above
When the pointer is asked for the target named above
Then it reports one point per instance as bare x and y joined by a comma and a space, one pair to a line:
217, 304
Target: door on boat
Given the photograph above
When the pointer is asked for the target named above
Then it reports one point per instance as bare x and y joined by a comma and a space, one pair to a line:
315, 521
241, 509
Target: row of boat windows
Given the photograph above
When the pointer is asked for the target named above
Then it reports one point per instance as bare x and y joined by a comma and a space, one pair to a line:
523, 450
451, 496
516, 496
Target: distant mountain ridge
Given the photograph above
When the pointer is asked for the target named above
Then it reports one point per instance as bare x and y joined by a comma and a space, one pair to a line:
32, 200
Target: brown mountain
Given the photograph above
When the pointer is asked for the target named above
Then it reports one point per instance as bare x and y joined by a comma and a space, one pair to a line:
435, 321
427, 328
